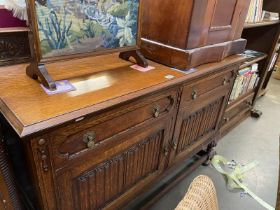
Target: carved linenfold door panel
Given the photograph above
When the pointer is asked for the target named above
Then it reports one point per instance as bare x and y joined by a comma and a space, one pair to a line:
110, 179
138, 159
198, 124
14, 48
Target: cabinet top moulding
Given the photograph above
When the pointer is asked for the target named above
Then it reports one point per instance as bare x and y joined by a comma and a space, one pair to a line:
30, 110
260, 24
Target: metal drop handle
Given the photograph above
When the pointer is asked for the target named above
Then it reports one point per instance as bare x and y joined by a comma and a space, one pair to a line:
194, 94
156, 111
225, 82
89, 139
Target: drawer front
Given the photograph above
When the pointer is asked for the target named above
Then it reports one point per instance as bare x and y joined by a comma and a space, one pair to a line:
78, 139
199, 88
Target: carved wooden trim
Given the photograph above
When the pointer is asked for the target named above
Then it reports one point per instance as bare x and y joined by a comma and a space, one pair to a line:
8, 192
43, 154
14, 48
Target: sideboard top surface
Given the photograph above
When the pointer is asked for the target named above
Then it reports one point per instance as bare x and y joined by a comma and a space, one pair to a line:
101, 82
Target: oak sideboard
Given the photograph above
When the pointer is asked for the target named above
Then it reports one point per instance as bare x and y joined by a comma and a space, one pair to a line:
106, 144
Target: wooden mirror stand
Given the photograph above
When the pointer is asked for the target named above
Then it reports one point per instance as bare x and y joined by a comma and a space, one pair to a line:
37, 70
50, 24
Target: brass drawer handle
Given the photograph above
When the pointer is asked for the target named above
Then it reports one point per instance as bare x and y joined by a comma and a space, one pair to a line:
89, 139
194, 94
225, 82
165, 151
156, 111
174, 145
226, 119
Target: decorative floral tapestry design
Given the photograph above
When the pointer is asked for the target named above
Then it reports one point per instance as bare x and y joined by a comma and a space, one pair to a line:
77, 26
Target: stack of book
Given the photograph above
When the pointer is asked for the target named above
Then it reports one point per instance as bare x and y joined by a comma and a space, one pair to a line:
252, 54
270, 16
246, 80
255, 13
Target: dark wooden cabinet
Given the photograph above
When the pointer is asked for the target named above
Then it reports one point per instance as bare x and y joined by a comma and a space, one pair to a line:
185, 34
223, 22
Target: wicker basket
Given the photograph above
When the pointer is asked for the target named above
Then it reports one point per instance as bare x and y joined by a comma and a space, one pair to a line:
201, 195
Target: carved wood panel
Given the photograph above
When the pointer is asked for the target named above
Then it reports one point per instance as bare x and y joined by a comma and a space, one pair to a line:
14, 48
110, 179
198, 124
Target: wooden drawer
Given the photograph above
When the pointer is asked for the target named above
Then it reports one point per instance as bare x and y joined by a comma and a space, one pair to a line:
202, 86
78, 139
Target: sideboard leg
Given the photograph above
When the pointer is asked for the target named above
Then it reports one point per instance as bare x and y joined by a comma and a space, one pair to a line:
210, 152
9, 198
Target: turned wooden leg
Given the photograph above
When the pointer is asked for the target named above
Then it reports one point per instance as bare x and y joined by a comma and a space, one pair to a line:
210, 152
8, 193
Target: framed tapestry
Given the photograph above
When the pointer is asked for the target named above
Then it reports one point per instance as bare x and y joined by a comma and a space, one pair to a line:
62, 29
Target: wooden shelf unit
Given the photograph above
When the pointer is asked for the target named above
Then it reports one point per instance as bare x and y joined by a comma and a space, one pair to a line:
262, 37
14, 29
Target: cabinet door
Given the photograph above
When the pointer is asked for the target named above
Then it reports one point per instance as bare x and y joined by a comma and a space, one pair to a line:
199, 116
114, 174
223, 21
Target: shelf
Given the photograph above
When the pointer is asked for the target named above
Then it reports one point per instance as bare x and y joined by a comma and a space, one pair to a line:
235, 121
240, 99
252, 61
14, 29
261, 24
